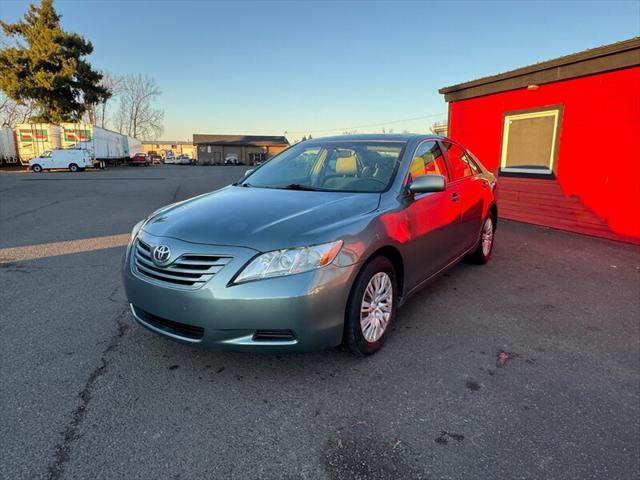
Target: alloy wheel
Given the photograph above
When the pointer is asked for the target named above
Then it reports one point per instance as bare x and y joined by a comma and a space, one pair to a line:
376, 307
487, 237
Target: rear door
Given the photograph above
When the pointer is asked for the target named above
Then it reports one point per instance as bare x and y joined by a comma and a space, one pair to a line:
469, 194
432, 218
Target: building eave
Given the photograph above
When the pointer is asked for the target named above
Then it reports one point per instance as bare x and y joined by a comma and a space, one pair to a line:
606, 58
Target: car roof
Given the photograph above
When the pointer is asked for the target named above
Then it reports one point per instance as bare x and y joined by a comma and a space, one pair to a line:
381, 137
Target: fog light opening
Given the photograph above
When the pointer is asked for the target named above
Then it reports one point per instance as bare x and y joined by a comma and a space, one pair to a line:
273, 335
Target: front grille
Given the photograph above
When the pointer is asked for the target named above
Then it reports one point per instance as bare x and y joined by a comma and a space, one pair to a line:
177, 328
188, 270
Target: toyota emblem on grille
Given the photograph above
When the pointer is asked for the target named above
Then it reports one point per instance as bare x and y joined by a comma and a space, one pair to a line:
161, 254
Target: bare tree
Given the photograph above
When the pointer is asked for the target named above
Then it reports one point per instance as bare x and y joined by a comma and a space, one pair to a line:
114, 84
13, 113
97, 113
137, 115
121, 119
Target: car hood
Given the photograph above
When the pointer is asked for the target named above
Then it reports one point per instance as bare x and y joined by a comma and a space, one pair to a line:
261, 218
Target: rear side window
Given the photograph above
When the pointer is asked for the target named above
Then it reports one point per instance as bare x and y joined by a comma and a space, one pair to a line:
460, 163
428, 160
473, 163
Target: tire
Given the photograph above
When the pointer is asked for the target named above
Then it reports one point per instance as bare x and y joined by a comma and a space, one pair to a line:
482, 253
36, 168
361, 340
73, 167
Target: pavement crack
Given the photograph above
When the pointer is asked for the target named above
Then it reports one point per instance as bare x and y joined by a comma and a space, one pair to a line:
27, 212
112, 295
175, 194
70, 432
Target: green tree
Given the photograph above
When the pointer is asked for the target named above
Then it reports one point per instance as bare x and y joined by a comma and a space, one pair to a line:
46, 67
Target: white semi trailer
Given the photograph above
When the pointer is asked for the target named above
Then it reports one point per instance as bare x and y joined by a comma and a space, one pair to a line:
103, 145
32, 139
8, 152
133, 146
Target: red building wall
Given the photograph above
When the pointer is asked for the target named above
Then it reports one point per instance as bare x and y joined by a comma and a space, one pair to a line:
599, 144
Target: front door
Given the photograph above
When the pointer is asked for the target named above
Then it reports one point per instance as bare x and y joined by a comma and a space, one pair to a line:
432, 219
46, 161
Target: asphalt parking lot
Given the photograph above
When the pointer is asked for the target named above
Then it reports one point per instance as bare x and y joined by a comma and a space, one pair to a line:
527, 368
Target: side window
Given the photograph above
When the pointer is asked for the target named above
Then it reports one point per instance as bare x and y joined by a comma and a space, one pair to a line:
428, 160
472, 163
458, 161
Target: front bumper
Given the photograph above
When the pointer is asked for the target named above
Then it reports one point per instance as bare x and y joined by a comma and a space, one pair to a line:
309, 306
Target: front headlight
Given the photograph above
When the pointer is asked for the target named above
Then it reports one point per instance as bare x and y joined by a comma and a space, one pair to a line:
290, 261
136, 230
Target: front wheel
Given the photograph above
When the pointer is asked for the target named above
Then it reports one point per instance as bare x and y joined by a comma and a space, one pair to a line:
36, 168
73, 167
371, 307
482, 253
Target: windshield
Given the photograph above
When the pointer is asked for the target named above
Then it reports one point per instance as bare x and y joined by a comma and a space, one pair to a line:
346, 166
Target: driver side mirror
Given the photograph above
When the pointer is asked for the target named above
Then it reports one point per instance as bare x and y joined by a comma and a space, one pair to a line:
428, 184
247, 172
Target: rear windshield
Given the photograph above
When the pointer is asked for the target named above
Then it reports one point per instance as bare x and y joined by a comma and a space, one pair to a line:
346, 166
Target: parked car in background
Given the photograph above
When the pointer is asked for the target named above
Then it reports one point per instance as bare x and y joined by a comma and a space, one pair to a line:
183, 159
156, 159
231, 159
169, 159
140, 159
73, 160
320, 245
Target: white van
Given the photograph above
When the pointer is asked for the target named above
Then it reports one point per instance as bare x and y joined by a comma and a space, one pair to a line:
72, 159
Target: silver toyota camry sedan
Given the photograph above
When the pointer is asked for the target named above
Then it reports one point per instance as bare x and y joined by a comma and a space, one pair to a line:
318, 246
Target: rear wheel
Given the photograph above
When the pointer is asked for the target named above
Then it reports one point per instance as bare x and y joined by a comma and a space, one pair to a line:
371, 307
73, 167
482, 253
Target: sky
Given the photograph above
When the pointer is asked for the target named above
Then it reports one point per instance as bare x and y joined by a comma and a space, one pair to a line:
322, 68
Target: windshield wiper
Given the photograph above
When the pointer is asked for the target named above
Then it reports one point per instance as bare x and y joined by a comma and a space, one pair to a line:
298, 186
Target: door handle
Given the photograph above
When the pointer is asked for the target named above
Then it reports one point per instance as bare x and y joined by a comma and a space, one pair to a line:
455, 198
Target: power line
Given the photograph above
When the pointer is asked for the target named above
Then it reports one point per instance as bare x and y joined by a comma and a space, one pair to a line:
368, 125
